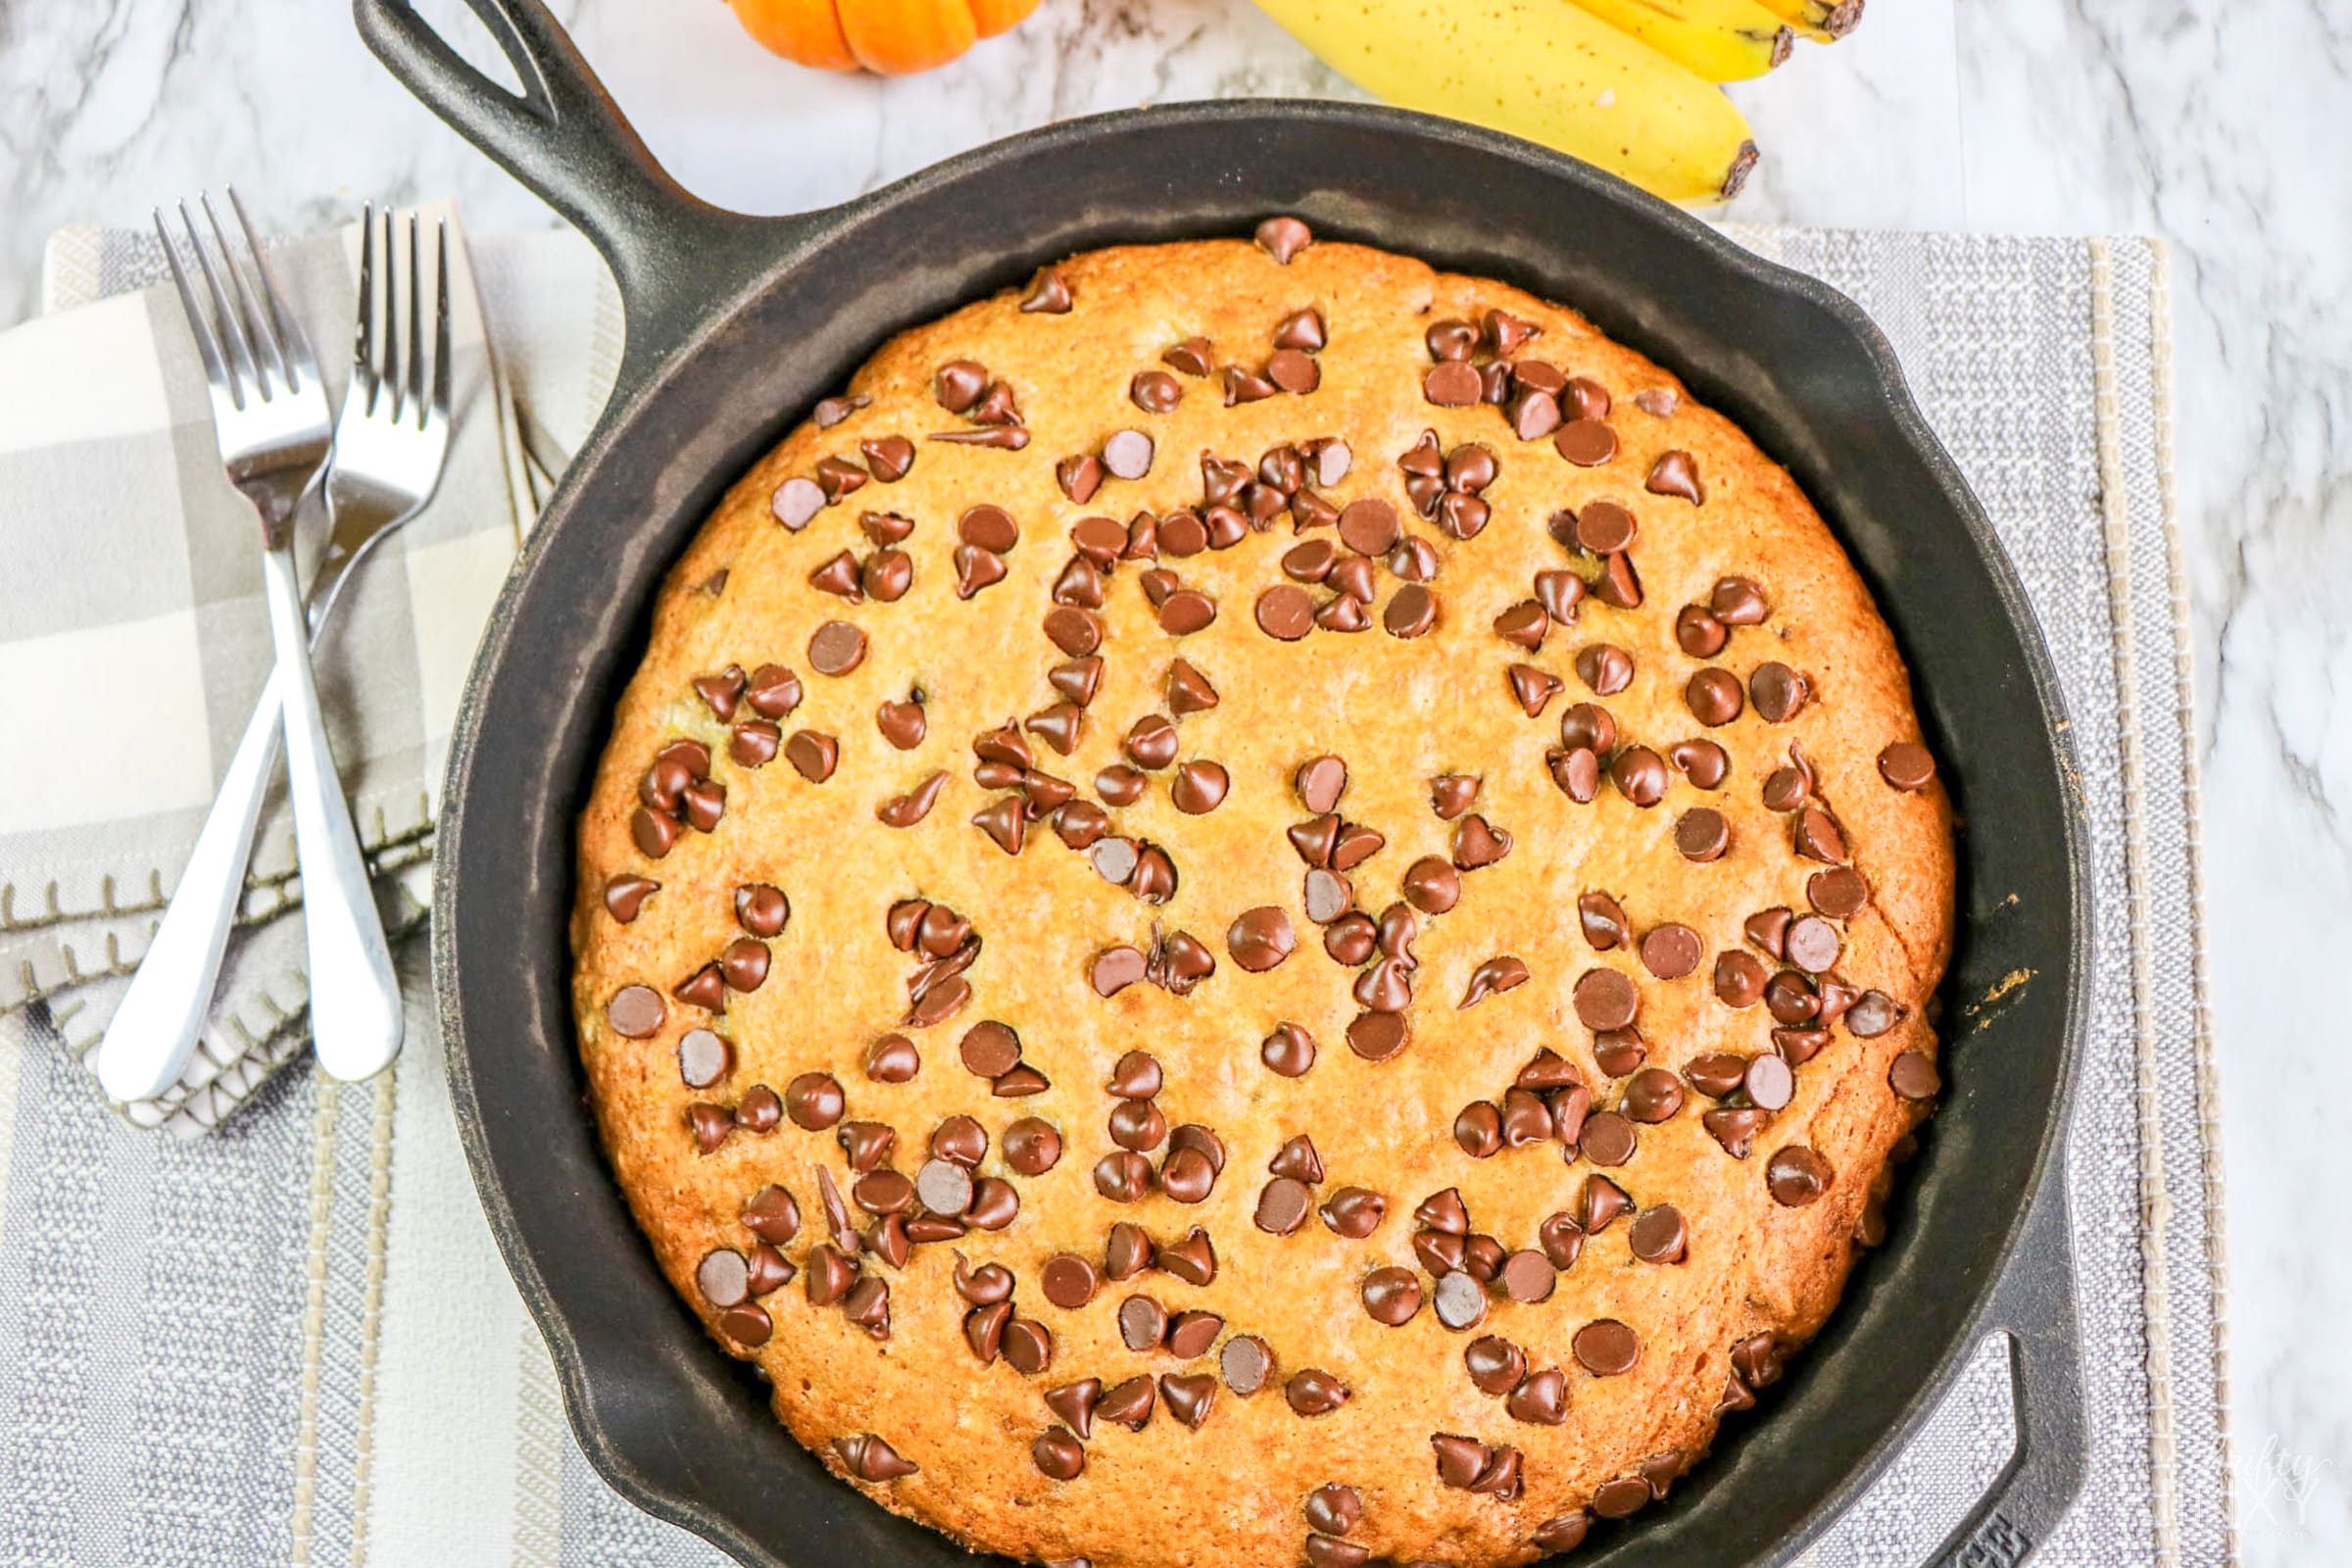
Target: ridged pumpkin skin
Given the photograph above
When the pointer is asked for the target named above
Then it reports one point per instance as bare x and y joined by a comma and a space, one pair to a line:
891, 38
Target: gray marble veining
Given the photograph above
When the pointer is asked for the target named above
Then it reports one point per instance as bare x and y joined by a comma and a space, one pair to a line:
2212, 123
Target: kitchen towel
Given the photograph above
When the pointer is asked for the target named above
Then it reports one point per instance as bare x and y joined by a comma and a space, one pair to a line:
136, 572
291, 1339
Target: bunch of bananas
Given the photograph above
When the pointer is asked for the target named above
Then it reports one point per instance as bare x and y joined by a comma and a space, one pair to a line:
1627, 84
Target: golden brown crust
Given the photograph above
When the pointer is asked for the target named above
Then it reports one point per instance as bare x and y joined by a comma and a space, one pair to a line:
1400, 712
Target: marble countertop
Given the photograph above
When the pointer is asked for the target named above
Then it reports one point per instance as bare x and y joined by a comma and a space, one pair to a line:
2204, 121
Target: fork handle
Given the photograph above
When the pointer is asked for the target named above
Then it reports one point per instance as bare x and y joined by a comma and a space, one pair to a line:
355, 997
155, 1030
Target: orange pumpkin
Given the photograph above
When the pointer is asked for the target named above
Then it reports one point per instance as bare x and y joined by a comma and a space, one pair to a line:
895, 38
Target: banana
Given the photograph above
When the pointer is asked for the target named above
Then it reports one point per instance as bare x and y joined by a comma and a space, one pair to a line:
1543, 69
1821, 19
1722, 40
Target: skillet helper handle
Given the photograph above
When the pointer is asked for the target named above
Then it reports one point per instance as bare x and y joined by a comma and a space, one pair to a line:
2034, 1307
675, 256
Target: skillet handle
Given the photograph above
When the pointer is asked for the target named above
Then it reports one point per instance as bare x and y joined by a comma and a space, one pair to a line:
2034, 1306
678, 259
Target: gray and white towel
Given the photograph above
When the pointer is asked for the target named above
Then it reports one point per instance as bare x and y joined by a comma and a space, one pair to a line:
291, 1340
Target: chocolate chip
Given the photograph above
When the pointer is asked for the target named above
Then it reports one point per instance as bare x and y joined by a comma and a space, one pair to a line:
759, 1111
1261, 938
1283, 1206
1606, 1138
1671, 951
1450, 340
1605, 999
1587, 443
1191, 1333
1618, 584
1392, 1295
1735, 1127
1812, 943
1699, 633
1543, 1400
1606, 1348
1246, 386
1127, 454
1618, 1052
1493, 977
1528, 1277
1192, 357
1605, 667
625, 896
1143, 1323
1640, 776
1018, 1083
1654, 1095
1186, 611
1461, 1301
836, 648
1293, 370
1818, 836
1533, 688
883, 1191
976, 568
635, 1011
1188, 1395
1138, 1124
1872, 1013
706, 988
1740, 980
1714, 697
1496, 1365
1478, 1129
1432, 886
990, 1049
1200, 788
831, 412
1701, 834
1453, 384
1796, 1176
706, 803
1312, 1392
1056, 1452
703, 1058
1906, 766
1676, 474
796, 502
1778, 691
1129, 1403
1028, 1346
1284, 238
1377, 1036
1912, 1076
1769, 1082
1031, 1146
839, 576
1049, 293
724, 1276
1704, 762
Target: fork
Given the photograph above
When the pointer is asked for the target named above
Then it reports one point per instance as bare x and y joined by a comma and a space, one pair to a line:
269, 415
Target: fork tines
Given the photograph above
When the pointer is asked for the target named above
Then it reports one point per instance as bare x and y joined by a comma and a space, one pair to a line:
248, 348
379, 368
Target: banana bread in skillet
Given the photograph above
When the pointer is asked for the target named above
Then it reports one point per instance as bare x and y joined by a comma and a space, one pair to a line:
1259, 905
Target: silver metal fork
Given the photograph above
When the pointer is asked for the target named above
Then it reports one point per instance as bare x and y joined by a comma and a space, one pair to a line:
269, 415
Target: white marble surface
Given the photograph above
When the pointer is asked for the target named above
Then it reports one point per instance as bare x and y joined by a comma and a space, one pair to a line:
2210, 122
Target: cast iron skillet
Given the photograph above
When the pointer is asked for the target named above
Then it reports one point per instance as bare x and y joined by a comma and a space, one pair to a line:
736, 326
